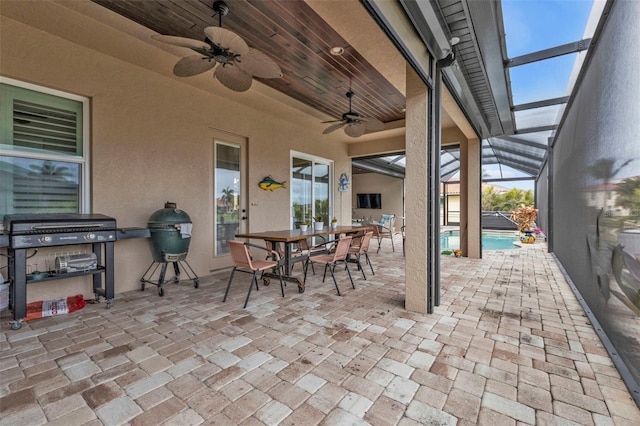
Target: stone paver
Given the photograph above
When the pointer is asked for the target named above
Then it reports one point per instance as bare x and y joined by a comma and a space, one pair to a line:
508, 345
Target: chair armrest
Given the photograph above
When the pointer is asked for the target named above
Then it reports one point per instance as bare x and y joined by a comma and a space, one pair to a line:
328, 245
385, 229
273, 252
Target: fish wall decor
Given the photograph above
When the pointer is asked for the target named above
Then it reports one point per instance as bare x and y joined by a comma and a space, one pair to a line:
269, 184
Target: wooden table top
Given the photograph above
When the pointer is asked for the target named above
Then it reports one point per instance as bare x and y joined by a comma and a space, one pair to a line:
292, 235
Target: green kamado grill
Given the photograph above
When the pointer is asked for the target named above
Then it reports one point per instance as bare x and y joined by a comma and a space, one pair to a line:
169, 242
170, 230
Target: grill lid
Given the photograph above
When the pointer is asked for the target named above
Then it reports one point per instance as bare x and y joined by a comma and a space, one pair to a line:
55, 222
168, 216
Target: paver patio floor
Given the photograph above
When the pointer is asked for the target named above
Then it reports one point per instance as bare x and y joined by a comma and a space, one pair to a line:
509, 344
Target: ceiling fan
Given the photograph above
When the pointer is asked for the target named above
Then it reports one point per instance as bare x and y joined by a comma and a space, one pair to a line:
234, 63
355, 123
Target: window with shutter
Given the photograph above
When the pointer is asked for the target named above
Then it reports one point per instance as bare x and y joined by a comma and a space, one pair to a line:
42, 150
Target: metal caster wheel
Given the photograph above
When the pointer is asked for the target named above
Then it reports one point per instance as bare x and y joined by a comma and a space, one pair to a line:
16, 325
266, 282
160, 291
300, 289
196, 284
108, 304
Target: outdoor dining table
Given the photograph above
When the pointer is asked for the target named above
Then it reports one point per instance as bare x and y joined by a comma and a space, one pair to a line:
290, 236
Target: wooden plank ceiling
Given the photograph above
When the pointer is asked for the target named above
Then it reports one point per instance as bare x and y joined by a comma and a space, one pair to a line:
292, 34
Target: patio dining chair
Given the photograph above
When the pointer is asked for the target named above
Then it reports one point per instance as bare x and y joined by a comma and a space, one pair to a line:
296, 256
243, 262
358, 248
381, 232
306, 250
331, 260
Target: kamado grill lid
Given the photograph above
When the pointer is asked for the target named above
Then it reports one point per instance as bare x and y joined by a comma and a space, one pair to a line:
170, 215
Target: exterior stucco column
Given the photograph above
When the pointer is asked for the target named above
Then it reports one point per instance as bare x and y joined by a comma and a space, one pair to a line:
470, 198
417, 182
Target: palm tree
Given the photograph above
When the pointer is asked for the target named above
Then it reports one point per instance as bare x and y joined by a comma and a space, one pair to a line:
506, 202
604, 169
628, 194
228, 196
489, 198
49, 169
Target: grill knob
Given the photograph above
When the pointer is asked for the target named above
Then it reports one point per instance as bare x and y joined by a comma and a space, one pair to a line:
45, 239
90, 237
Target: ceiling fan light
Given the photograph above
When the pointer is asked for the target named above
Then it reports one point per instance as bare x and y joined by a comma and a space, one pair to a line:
355, 130
221, 59
336, 51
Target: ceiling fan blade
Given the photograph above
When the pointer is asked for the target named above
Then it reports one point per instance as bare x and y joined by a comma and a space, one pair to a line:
193, 65
355, 130
259, 65
227, 40
333, 127
353, 115
331, 121
182, 42
233, 77
373, 124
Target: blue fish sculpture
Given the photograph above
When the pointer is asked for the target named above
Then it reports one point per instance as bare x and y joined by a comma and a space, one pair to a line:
269, 184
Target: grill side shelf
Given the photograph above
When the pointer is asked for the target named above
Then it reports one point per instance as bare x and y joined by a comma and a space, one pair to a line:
129, 233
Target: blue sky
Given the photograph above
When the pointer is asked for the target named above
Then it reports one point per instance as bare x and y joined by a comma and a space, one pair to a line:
533, 25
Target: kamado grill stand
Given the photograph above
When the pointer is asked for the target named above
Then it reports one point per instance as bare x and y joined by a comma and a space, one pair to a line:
170, 237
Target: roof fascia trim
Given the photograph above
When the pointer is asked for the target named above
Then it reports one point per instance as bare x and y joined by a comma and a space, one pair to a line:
490, 35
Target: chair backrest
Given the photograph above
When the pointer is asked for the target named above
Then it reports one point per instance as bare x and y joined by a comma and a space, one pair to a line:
387, 220
302, 245
240, 254
375, 230
279, 248
356, 239
342, 249
364, 245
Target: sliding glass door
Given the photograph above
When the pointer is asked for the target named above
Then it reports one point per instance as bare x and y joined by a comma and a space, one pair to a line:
310, 189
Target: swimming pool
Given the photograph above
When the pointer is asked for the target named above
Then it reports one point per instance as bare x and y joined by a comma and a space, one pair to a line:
490, 240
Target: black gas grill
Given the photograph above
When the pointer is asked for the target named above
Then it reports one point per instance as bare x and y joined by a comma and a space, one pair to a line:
33, 231
57, 229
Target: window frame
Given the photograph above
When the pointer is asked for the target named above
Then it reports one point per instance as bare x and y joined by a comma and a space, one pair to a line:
82, 160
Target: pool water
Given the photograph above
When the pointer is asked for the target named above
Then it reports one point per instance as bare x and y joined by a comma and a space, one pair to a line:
490, 241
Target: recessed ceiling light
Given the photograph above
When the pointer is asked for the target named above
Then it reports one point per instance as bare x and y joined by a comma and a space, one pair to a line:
336, 51
454, 40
